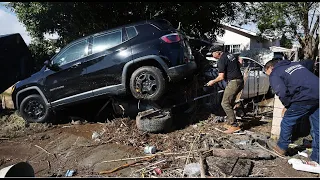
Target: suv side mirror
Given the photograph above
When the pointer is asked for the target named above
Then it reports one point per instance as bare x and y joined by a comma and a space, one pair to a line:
50, 66
47, 63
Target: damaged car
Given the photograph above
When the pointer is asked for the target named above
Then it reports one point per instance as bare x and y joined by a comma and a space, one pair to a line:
139, 60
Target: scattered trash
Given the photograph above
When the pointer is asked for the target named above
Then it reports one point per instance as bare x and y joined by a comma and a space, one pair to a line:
194, 126
304, 154
244, 142
307, 143
240, 133
219, 119
70, 173
292, 146
149, 149
96, 136
192, 169
301, 165
158, 171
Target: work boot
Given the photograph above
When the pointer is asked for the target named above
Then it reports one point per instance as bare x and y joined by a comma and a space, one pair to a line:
275, 148
232, 129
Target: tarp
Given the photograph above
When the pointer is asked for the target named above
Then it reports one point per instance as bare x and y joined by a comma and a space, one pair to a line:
16, 62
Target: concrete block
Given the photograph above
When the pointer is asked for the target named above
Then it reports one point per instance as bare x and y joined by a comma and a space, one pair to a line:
275, 130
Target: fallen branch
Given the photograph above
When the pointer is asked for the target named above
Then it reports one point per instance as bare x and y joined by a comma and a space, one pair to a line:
4, 138
202, 167
268, 150
44, 150
125, 165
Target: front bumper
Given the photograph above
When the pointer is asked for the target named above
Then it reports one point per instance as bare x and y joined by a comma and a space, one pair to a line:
179, 72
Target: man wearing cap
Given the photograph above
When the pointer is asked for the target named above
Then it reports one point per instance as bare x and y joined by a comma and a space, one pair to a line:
298, 90
229, 70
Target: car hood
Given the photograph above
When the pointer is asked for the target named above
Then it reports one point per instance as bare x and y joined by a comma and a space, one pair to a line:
261, 56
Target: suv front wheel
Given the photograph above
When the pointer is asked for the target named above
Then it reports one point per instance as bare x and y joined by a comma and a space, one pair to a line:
33, 109
147, 83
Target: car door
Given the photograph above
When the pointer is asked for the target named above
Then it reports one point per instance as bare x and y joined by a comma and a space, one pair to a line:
64, 85
257, 82
109, 53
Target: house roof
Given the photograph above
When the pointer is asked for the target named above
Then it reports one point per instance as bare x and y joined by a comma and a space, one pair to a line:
248, 32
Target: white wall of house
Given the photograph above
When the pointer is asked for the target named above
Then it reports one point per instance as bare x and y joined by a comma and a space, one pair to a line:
232, 38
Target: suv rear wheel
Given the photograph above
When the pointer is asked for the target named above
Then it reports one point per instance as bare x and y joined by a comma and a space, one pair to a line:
33, 109
147, 83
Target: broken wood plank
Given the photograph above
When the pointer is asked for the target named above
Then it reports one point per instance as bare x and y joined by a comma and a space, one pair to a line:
202, 166
248, 154
242, 168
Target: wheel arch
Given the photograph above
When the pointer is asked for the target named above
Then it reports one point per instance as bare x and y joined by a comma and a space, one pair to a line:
151, 60
28, 91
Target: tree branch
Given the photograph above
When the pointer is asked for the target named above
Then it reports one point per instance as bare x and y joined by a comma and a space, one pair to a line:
314, 12
315, 27
294, 30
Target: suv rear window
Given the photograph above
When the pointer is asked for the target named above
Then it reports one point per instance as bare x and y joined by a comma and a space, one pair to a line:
163, 25
106, 41
131, 32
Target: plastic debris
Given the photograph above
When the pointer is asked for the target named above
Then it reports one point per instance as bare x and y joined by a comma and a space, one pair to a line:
244, 142
150, 149
304, 154
95, 135
70, 173
192, 169
158, 171
301, 165
292, 145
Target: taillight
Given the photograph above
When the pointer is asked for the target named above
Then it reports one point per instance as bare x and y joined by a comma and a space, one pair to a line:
171, 38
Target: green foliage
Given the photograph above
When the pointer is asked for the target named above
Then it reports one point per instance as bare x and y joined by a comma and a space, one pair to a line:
287, 18
285, 42
41, 50
72, 20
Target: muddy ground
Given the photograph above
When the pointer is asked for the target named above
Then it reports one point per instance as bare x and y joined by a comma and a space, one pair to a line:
54, 149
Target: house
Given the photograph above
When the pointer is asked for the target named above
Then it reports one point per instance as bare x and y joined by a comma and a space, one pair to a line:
237, 39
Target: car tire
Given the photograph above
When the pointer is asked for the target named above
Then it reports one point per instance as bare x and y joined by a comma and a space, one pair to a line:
29, 104
156, 122
147, 83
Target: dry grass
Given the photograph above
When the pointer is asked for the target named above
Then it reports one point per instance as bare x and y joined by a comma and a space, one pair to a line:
12, 125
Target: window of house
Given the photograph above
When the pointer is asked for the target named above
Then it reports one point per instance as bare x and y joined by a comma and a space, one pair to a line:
72, 53
106, 41
234, 48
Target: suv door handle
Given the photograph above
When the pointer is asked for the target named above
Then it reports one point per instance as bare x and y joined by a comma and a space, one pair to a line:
121, 49
76, 65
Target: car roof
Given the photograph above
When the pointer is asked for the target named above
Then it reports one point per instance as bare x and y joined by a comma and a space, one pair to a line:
152, 21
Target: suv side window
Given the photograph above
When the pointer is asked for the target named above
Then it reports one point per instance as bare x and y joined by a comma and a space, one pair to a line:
72, 53
106, 41
131, 32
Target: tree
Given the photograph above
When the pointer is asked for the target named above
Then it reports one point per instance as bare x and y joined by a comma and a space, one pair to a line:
71, 20
285, 42
297, 20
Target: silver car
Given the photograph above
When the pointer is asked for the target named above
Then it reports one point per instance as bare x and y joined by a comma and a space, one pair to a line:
257, 82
